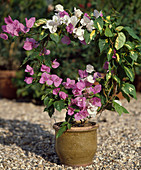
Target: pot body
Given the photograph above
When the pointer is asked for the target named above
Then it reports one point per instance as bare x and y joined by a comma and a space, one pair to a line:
77, 146
7, 89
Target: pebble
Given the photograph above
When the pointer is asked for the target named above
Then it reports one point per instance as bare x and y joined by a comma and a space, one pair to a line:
27, 138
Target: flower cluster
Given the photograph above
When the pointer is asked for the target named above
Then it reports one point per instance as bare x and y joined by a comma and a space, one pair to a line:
83, 102
14, 27
84, 95
71, 23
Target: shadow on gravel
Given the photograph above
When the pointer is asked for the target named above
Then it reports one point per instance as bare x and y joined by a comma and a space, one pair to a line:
29, 137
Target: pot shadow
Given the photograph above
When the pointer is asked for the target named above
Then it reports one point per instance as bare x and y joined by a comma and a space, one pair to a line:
29, 137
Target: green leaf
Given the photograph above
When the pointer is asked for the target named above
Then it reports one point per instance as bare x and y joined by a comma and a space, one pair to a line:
64, 123
59, 105
43, 35
98, 23
108, 32
86, 36
116, 79
108, 76
129, 60
120, 40
133, 55
55, 37
43, 97
30, 57
46, 100
41, 58
68, 125
129, 89
129, 73
61, 131
51, 111
48, 91
51, 101
101, 44
129, 45
48, 61
93, 34
120, 109
119, 28
39, 22
124, 110
110, 54
126, 96
131, 33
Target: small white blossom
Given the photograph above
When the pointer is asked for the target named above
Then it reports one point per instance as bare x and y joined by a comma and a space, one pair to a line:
74, 20
89, 68
65, 19
85, 20
56, 19
77, 12
79, 33
90, 26
92, 110
52, 24
59, 8
97, 13
90, 79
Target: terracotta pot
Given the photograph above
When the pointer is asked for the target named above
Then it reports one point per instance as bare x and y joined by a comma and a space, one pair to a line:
77, 146
7, 89
137, 83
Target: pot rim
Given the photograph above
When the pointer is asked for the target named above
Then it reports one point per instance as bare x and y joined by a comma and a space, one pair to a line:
78, 129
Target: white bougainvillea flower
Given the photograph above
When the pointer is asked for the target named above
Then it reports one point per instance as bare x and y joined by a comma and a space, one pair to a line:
79, 33
56, 20
52, 24
90, 79
59, 8
85, 20
77, 12
89, 68
118, 102
97, 13
92, 110
65, 20
90, 26
74, 20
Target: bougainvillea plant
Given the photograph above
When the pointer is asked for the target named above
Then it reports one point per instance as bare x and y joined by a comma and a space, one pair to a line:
92, 92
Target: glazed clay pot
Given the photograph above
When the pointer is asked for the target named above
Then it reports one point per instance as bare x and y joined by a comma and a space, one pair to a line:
77, 146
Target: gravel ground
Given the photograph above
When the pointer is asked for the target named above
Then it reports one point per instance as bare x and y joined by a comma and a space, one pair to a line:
27, 138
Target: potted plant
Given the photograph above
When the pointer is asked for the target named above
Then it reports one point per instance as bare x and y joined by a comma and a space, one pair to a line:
82, 98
